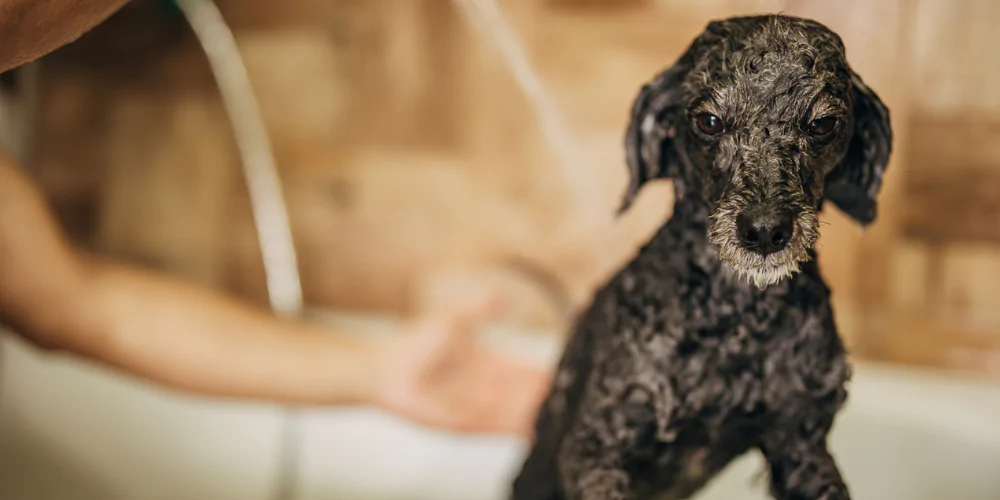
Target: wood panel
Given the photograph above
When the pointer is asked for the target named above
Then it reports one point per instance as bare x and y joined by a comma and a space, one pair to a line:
954, 48
961, 207
416, 169
941, 311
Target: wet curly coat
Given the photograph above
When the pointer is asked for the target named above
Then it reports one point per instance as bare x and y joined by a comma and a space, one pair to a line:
718, 337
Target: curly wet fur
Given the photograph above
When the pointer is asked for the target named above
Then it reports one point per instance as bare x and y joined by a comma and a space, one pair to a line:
699, 350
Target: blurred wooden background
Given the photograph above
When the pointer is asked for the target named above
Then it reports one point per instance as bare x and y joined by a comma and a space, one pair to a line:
417, 173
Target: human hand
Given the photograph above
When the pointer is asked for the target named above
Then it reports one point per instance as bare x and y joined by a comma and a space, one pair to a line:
437, 375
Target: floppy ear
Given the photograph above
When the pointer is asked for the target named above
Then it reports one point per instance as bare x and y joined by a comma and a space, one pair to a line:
853, 185
656, 113
649, 148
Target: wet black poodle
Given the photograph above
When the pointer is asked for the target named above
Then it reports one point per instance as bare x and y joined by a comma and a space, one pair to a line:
719, 337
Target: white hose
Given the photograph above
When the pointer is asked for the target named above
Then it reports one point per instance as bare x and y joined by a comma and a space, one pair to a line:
274, 234
266, 197
488, 20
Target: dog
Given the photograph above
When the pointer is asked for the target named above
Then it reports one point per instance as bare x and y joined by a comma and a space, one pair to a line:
718, 337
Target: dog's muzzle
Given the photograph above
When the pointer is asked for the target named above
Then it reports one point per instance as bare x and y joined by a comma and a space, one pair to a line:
762, 241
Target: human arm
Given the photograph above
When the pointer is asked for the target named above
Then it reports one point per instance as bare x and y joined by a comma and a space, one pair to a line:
202, 341
30, 29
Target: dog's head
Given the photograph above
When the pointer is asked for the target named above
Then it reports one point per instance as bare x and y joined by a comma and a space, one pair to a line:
762, 119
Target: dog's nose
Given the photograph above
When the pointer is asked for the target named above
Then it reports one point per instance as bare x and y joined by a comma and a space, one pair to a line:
764, 233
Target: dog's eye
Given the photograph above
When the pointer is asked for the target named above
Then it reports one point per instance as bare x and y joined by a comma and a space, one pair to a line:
709, 123
822, 126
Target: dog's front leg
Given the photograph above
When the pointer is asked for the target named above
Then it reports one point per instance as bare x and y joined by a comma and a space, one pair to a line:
801, 466
604, 445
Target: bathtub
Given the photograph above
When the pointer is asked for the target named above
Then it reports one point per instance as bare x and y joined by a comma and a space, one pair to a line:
71, 430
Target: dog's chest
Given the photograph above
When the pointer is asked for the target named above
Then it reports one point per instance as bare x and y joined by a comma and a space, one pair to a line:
715, 349
723, 345
720, 361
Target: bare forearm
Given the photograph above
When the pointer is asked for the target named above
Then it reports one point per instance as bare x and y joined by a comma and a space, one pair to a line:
30, 29
201, 341
159, 327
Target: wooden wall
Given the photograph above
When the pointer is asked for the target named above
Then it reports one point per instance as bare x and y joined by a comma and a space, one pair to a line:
946, 295
417, 172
